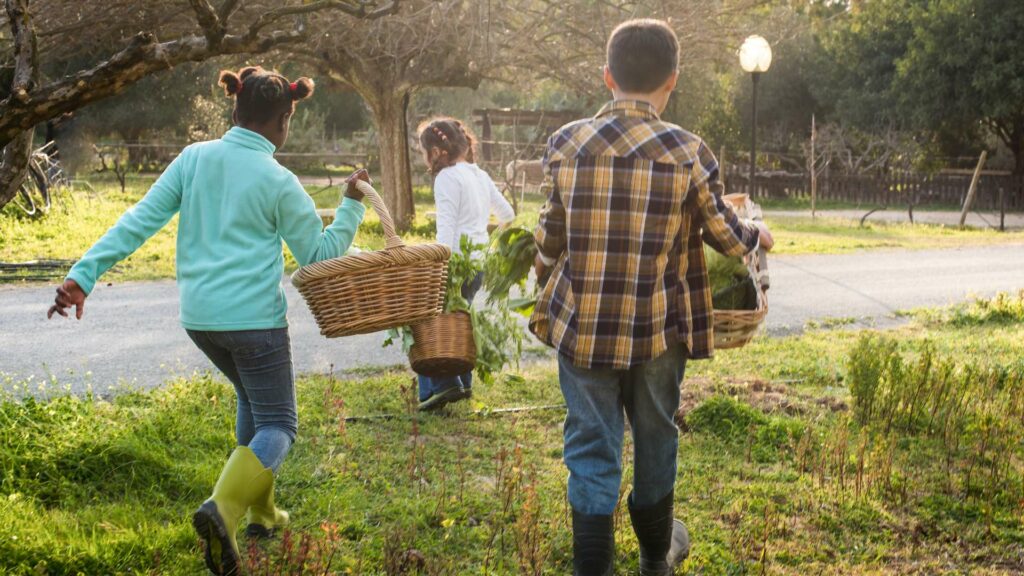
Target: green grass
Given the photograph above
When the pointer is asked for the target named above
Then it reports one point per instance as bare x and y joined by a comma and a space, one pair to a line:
80, 219
767, 480
834, 235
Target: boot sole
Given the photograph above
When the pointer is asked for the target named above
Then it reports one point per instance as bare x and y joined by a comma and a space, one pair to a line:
259, 531
209, 526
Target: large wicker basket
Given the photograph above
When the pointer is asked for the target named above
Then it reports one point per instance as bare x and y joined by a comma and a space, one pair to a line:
444, 345
734, 328
373, 291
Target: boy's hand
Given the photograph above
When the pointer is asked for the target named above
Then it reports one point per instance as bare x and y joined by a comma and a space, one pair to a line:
541, 269
68, 295
764, 235
351, 190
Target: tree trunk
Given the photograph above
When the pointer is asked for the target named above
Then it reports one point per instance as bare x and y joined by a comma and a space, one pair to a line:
389, 116
14, 165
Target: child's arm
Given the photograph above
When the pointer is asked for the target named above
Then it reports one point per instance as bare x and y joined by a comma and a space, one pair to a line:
723, 230
446, 203
500, 206
302, 229
135, 226
550, 232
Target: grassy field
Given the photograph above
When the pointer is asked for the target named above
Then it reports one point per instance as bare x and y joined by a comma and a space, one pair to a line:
835, 452
80, 219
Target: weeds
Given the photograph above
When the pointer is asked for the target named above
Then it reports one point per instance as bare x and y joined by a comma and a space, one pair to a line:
924, 473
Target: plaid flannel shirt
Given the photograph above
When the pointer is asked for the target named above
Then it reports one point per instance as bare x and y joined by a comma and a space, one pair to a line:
628, 199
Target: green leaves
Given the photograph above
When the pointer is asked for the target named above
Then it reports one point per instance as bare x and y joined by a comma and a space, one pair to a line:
509, 262
496, 330
731, 285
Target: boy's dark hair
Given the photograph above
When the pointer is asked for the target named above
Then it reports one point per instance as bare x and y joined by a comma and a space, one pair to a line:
451, 137
260, 95
642, 55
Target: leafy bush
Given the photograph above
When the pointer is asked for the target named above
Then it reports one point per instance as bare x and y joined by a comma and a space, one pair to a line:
733, 421
973, 412
864, 370
726, 418
776, 438
1002, 309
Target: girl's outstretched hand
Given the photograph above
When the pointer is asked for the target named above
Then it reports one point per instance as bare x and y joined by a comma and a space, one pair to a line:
68, 295
353, 192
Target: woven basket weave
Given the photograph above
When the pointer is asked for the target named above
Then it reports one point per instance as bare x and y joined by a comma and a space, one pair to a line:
444, 345
734, 328
373, 291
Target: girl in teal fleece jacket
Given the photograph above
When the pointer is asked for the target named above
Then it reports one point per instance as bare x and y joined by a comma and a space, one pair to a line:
236, 205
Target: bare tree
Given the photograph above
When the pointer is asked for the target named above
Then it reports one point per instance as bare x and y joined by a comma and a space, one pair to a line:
198, 31
430, 43
856, 152
565, 41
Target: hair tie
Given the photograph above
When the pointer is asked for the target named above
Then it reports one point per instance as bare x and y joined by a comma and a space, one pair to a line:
293, 87
440, 134
241, 85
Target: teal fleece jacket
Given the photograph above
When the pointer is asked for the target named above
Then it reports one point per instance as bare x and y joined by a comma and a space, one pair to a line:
237, 204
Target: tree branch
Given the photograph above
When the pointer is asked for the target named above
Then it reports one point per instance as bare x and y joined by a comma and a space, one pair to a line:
144, 56
26, 65
357, 8
227, 9
209, 21
18, 146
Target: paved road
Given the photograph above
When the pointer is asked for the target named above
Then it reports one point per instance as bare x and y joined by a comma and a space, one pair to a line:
130, 331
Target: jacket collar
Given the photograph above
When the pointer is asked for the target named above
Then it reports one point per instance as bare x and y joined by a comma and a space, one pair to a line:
248, 139
629, 109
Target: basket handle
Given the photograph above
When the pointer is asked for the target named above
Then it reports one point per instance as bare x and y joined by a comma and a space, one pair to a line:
391, 238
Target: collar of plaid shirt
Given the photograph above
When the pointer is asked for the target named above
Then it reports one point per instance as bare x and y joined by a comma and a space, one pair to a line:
629, 278
629, 109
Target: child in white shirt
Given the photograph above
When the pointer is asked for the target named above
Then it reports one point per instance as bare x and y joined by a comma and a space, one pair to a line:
465, 196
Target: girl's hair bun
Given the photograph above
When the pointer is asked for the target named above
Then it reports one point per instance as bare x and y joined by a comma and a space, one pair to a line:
231, 82
302, 88
248, 71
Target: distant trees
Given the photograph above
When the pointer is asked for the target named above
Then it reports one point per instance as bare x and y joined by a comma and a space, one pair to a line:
947, 69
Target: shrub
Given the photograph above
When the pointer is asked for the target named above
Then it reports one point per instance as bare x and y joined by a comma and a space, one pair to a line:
725, 418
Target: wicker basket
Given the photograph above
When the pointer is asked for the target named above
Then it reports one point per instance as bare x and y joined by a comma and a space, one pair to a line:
734, 328
373, 291
444, 345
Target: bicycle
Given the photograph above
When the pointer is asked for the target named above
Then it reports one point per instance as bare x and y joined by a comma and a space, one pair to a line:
44, 174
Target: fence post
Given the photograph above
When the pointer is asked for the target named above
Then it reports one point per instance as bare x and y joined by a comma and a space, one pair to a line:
973, 189
1002, 209
814, 168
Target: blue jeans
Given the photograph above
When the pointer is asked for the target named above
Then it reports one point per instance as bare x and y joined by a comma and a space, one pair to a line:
259, 364
430, 386
597, 400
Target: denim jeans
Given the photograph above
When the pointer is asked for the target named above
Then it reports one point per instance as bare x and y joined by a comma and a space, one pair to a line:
430, 386
597, 400
259, 364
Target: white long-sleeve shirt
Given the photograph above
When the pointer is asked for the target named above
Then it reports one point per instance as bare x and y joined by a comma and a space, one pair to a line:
465, 196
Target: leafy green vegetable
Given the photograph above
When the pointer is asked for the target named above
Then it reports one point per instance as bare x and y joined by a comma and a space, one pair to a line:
497, 334
732, 288
509, 261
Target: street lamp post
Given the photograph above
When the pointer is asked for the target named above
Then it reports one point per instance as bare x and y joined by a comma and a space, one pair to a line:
756, 58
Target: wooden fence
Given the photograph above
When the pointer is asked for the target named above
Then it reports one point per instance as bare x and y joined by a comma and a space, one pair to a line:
902, 190
154, 157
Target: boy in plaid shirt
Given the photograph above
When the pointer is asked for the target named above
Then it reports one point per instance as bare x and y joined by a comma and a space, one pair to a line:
631, 198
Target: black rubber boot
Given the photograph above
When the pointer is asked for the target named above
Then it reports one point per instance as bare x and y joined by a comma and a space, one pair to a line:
593, 545
664, 541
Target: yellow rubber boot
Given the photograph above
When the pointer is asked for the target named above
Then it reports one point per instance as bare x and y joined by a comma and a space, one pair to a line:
264, 517
243, 481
